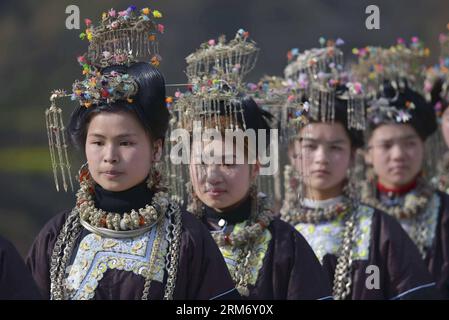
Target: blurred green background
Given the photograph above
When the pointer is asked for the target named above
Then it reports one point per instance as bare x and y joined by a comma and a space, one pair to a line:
38, 54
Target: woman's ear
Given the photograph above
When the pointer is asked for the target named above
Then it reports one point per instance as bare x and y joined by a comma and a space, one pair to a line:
157, 150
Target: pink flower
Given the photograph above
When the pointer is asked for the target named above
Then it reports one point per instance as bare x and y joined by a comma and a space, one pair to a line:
160, 28
114, 25
112, 13
400, 41
358, 87
415, 39
252, 86
211, 42
88, 22
120, 58
123, 13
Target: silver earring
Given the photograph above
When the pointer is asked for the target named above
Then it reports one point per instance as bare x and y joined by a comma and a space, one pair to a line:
154, 179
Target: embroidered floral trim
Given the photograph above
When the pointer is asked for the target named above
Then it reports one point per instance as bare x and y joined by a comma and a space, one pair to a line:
326, 237
96, 255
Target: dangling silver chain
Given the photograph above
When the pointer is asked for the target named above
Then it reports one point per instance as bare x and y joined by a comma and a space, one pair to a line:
172, 257
419, 234
343, 270
62, 251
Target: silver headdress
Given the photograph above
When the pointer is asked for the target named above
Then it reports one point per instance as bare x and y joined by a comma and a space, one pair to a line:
318, 75
396, 63
215, 73
233, 60
121, 38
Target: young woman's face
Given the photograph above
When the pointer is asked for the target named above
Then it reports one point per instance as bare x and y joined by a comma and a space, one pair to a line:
221, 186
119, 151
322, 156
445, 126
396, 153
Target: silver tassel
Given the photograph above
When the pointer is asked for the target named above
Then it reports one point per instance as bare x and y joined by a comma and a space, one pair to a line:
57, 140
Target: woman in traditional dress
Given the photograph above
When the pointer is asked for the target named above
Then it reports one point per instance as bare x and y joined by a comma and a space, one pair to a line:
124, 238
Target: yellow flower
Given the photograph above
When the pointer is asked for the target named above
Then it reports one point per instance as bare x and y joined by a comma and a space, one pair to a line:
89, 36
154, 61
157, 14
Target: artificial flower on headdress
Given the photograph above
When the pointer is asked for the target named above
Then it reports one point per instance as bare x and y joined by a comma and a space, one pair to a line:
104, 88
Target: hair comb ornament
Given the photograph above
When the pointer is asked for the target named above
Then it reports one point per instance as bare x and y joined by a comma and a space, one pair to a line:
382, 112
102, 88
